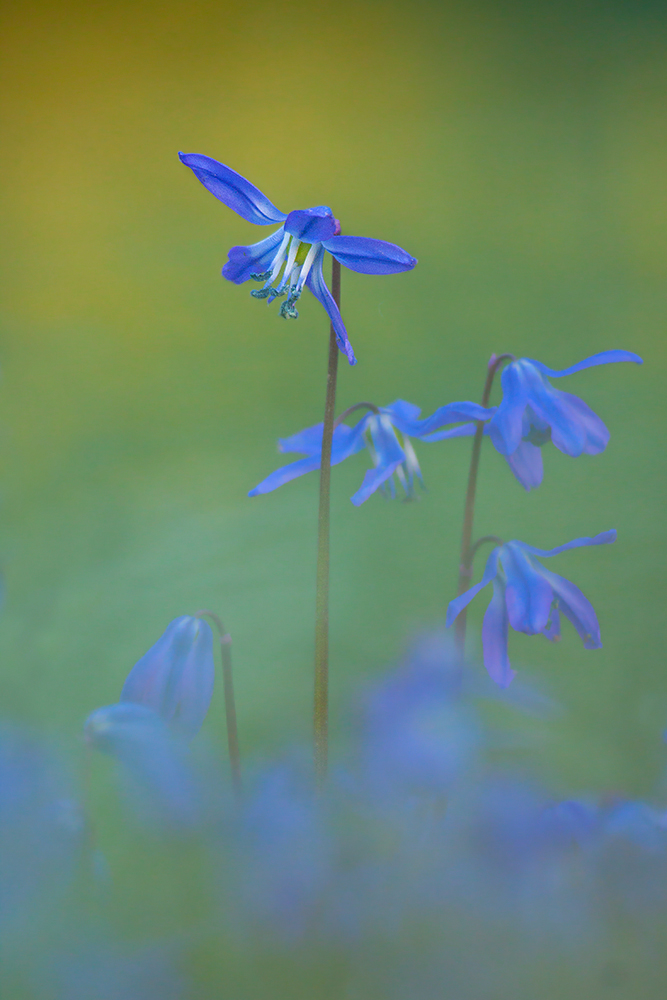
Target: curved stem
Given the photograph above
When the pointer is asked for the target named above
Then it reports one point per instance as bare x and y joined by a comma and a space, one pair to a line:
351, 409
321, 699
230, 703
469, 510
483, 541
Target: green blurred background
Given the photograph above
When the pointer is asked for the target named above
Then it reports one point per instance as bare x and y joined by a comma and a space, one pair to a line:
518, 150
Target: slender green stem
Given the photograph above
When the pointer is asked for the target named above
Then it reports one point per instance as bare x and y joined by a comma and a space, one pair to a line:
321, 704
467, 552
230, 702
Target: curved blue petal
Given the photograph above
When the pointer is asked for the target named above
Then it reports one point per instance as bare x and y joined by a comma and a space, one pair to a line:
527, 594
526, 464
346, 440
577, 608
232, 189
604, 538
506, 427
603, 358
175, 677
389, 456
569, 423
368, 256
402, 412
373, 479
463, 600
451, 414
312, 225
465, 430
494, 638
286, 474
254, 259
317, 285
595, 433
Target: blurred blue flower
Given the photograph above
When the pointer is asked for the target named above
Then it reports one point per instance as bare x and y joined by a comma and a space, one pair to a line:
42, 830
418, 734
532, 413
107, 972
528, 597
175, 677
158, 778
292, 256
285, 855
377, 432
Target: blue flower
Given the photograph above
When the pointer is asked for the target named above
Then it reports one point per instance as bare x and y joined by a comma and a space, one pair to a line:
175, 677
529, 598
532, 412
292, 256
377, 432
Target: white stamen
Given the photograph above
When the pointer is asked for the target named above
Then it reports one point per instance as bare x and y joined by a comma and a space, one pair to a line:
289, 266
278, 260
307, 264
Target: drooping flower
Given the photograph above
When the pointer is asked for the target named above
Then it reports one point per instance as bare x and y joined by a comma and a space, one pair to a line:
175, 677
377, 432
532, 413
528, 597
292, 256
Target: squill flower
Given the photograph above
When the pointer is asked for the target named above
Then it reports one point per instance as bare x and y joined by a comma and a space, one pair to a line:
528, 597
175, 677
377, 432
292, 256
532, 413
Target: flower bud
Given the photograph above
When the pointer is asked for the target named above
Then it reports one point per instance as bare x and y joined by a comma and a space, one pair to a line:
175, 677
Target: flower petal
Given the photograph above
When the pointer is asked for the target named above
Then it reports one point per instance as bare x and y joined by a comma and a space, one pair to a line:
286, 474
604, 538
368, 256
595, 433
402, 412
506, 427
603, 358
312, 225
451, 414
577, 608
175, 677
254, 259
317, 285
463, 600
233, 189
346, 441
568, 431
388, 454
465, 430
527, 594
526, 464
494, 638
